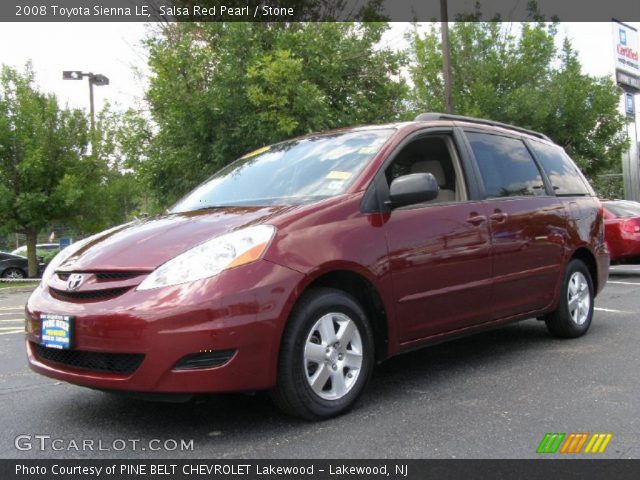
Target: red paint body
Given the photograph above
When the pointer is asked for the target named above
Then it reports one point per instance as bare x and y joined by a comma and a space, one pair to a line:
437, 274
622, 235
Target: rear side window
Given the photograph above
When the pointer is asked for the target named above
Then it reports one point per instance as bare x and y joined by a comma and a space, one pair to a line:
562, 172
506, 166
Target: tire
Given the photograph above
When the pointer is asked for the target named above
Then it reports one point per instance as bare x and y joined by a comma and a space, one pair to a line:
321, 382
574, 313
13, 273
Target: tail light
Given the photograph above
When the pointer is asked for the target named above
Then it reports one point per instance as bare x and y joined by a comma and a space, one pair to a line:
632, 226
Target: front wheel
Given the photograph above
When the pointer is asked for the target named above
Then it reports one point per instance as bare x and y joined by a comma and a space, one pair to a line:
573, 316
13, 273
326, 356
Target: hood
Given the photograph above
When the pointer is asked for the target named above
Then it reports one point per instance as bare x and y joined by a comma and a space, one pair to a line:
146, 244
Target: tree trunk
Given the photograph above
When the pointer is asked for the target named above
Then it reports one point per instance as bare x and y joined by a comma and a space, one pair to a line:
34, 265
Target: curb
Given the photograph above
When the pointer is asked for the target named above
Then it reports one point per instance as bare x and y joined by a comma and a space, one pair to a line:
18, 289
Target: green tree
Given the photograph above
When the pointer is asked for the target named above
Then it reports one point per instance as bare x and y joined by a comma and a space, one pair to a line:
45, 172
514, 73
122, 140
218, 90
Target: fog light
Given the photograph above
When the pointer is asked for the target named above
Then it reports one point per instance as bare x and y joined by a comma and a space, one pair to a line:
208, 359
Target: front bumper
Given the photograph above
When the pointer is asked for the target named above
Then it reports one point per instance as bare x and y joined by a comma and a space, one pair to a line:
243, 310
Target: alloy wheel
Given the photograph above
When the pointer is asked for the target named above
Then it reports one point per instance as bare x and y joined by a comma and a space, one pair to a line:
579, 298
333, 356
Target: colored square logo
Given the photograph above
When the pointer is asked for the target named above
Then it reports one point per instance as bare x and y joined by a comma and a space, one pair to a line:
623, 37
574, 443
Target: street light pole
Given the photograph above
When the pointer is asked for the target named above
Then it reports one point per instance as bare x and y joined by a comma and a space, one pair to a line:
91, 108
94, 79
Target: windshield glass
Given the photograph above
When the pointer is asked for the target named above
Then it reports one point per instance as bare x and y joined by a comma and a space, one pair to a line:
623, 208
292, 172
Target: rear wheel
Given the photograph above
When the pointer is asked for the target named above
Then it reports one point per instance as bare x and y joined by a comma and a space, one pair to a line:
13, 273
573, 316
326, 356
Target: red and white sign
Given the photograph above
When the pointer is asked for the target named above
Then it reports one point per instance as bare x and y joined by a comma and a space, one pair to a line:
626, 47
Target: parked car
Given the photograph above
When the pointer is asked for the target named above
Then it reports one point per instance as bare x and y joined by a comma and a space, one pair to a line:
13, 266
298, 267
22, 250
622, 229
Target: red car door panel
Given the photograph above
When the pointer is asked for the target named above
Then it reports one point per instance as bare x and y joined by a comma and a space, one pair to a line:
441, 267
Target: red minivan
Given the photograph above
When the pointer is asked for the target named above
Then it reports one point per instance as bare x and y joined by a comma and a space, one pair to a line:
299, 266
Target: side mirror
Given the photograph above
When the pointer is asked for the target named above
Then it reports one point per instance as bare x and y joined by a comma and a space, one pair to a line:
411, 189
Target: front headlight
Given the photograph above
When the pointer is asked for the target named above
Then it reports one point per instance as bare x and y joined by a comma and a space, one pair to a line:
212, 257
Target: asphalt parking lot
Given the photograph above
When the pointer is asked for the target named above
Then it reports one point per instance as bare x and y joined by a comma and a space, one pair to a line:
493, 395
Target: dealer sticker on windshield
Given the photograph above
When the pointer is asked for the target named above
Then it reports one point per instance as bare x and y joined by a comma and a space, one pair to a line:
337, 175
56, 330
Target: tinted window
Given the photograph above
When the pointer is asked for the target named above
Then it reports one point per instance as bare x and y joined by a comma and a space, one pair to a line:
506, 166
292, 172
564, 175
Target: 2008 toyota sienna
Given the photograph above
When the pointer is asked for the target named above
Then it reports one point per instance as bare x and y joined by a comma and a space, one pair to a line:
302, 264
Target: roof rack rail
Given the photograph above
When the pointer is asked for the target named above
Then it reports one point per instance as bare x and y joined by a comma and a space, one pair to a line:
430, 116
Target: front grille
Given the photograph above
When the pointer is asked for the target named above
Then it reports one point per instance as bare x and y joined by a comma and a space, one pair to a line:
93, 361
95, 295
104, 276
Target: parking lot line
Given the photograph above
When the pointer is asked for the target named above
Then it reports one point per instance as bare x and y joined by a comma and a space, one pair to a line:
610, 310
19, 307
623, 283
12, 332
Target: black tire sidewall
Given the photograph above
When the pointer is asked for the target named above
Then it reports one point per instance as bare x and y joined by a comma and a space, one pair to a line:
317, 305
5, 274
563, 314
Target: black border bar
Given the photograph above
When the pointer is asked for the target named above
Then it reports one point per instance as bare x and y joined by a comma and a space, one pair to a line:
313, 10
196, 469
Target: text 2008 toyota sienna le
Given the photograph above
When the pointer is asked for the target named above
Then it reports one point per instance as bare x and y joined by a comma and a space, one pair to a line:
302, 264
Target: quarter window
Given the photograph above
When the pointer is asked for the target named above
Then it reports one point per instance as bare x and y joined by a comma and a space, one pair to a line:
506, 166
565, 177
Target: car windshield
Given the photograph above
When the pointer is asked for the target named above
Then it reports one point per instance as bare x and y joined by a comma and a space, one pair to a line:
623, 208
293, 172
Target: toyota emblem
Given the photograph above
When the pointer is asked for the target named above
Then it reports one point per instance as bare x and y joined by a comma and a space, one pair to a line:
75, 280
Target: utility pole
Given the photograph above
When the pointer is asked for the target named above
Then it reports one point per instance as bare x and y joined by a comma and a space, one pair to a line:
446, 56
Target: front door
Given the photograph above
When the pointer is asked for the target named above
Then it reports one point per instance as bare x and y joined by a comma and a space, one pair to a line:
439, 251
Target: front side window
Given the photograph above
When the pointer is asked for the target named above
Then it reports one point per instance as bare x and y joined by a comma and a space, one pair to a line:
506, 166
434, 155
289, 173
563, 174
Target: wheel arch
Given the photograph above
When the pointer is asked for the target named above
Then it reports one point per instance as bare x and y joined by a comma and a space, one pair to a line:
364, 291
589, 259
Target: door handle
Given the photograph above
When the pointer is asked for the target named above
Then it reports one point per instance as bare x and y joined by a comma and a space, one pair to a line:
498, 216
476, 220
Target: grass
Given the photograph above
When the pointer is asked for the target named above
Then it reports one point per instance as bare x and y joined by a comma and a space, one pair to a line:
9, 285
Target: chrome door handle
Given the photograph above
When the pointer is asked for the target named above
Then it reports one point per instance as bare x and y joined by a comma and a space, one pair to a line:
498, 217
477, 220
